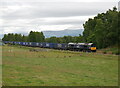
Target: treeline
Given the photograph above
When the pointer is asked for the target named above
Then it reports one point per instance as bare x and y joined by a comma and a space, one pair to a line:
14, 37
32, 37
39, 37
65, 39
103, 29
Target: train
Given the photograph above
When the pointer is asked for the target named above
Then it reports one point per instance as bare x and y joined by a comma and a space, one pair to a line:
85, 47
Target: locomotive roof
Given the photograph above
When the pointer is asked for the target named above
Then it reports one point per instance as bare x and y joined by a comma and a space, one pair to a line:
85, 43
71, 43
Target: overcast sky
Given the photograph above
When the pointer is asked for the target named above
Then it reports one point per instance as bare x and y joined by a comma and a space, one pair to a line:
22, 16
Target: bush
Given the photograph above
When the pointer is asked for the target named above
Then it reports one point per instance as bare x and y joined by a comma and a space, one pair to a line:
116, 52
104, 52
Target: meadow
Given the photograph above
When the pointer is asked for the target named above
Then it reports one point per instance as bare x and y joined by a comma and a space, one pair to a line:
21, 67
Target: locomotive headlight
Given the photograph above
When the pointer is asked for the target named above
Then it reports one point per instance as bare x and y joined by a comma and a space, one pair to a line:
93, 48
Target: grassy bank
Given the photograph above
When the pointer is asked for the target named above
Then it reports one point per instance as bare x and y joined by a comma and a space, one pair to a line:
110, 50
57, 68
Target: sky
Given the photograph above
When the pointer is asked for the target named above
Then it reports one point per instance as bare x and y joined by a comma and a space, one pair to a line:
22, 16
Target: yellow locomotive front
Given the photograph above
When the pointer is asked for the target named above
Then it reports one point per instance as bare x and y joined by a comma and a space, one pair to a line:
93, 48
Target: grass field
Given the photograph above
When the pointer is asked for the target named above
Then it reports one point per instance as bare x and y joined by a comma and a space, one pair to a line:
57, 68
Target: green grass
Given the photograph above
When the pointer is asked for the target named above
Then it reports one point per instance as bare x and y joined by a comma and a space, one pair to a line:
57, 68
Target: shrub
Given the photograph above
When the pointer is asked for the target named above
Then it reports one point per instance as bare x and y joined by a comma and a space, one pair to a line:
104, 52
116, 52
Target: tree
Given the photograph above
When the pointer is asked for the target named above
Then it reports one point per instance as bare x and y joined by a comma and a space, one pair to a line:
36, 37
103, 29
